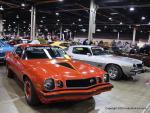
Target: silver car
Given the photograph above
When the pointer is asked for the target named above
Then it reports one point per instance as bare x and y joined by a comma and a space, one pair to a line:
116, 66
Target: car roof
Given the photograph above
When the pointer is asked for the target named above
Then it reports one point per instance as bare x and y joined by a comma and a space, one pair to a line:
31, 45
84, 46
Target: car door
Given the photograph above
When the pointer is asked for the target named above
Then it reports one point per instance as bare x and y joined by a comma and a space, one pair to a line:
17, 62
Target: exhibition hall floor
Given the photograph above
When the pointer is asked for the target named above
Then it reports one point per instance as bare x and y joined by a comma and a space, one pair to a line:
130, 96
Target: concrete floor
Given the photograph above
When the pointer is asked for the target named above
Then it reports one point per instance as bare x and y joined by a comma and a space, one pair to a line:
127, 93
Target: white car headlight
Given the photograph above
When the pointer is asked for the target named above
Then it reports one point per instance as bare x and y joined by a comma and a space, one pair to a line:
49, 84
106, 77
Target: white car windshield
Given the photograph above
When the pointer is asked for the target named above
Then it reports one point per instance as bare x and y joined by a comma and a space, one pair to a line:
98, 51
43, 53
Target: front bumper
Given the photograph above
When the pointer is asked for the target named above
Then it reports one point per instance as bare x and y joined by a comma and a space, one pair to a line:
73, 94
132, 72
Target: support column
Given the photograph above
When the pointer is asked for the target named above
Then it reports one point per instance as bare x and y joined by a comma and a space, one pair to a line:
1, 25
60, 32
118, 37
149, 37
134, 36
92, 19
18, 30
33, 23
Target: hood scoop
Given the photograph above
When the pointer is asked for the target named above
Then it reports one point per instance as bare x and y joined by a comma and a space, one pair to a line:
66, 65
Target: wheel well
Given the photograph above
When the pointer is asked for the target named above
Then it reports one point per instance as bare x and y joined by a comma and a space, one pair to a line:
112, 64
25, 77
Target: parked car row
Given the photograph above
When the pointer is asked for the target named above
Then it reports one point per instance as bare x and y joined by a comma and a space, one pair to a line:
51, 74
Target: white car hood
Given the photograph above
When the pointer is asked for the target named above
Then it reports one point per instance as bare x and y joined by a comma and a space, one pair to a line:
120, 59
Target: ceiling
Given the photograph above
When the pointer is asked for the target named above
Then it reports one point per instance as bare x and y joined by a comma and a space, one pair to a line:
112, 15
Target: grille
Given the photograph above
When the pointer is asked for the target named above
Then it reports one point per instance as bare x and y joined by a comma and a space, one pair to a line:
139, 66
81, 82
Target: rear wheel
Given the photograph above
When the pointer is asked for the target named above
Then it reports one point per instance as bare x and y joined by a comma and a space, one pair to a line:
30, 93
114, 71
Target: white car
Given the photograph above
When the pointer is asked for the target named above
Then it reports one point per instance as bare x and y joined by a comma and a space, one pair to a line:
116, 66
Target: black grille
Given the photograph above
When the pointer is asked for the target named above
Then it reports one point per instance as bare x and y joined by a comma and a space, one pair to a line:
139, 65
81, 82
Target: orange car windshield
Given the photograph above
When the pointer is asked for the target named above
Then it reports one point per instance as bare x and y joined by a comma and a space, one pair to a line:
41, 53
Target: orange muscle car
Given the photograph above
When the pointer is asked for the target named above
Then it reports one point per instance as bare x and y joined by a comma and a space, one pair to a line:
49, 77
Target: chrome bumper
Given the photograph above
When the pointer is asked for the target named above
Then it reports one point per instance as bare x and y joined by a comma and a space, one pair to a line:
132, 72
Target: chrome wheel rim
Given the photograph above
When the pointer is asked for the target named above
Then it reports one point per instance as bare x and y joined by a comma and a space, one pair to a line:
113, 72
27, 89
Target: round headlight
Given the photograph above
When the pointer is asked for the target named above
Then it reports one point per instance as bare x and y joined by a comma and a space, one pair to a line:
106, 78
60, 84
49, 84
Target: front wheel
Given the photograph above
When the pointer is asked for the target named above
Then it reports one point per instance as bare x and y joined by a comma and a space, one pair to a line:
30, 93
114, 71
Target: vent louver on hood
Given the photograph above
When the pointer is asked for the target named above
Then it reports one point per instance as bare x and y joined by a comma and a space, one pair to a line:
65, 65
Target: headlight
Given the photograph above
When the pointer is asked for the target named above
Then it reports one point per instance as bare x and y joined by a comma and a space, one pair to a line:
49, 84
60, 84
106, 78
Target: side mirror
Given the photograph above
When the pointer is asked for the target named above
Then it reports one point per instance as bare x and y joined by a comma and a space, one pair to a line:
89, 54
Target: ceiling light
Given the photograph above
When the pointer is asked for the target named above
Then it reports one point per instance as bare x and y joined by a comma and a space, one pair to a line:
143, 17
137, 25
121, 23
60, 0
80, 25
149, 23
1, 8
58, 20
79, 20
83, 30
110, 18
17, 16
113, 13
132, 9
23, 5
98, 30
57, 14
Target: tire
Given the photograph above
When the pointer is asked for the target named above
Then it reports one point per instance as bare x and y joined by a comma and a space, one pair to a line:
114, 71
9, 72
30, 93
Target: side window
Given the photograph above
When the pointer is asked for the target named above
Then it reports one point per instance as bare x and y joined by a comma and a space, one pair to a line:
19, 51
81, 50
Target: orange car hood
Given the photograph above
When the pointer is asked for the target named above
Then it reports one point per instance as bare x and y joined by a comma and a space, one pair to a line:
52, 68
